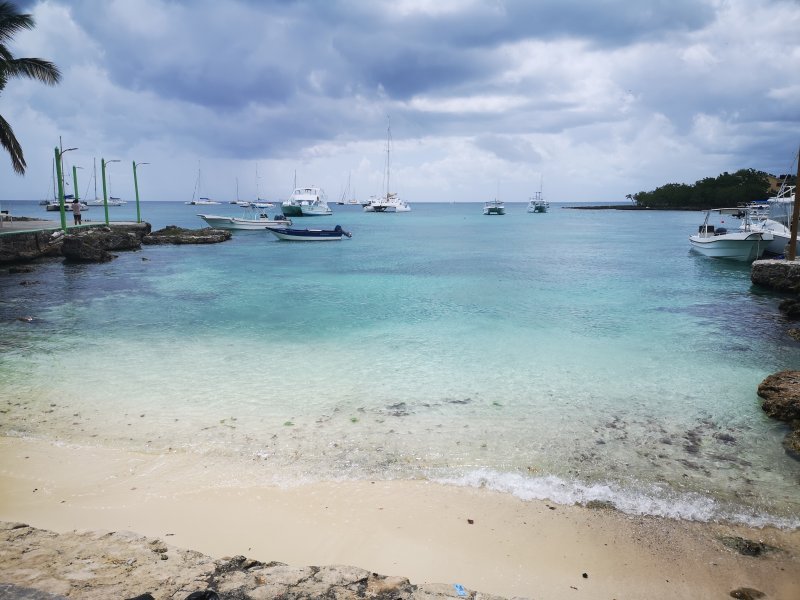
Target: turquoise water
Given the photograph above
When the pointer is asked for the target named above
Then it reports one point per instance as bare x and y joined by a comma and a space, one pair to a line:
573, 355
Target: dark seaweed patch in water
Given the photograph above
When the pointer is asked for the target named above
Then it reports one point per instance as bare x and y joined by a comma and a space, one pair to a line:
725, 438
464, 401
398, 410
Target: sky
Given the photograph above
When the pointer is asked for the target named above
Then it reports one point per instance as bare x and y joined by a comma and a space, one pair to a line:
586, 100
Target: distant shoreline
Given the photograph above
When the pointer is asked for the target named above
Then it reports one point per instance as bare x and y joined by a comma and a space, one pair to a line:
631, 207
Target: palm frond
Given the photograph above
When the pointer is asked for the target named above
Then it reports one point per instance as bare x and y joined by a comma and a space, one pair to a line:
9, 141
34, 68
12, 21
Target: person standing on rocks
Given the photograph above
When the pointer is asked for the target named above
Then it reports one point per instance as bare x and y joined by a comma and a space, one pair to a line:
76, 211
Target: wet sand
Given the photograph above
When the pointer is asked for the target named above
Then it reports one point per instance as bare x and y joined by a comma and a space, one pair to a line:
430, 533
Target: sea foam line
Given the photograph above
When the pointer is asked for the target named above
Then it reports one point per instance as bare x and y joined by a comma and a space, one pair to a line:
651, 500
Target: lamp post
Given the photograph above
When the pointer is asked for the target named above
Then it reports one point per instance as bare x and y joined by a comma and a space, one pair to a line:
103, 163
75, 181
136, 187
60, 176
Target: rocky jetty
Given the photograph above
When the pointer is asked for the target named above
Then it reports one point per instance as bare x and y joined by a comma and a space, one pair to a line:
99, 565
30, 245
96, 243
172, 234
781, 394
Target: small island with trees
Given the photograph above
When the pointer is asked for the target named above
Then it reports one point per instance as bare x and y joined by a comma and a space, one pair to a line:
725, 190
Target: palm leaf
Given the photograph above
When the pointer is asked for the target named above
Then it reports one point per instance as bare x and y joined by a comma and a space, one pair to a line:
9, 141
12, 22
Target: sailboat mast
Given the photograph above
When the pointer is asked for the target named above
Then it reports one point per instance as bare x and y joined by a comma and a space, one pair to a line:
388, 159
95, 178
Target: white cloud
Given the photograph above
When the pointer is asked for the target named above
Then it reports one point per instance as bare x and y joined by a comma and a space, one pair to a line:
617, 103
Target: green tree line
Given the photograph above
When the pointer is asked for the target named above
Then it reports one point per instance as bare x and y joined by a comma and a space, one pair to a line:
728, 189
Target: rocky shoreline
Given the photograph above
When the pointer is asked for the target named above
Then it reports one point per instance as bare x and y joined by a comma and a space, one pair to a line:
43, 565
95, 243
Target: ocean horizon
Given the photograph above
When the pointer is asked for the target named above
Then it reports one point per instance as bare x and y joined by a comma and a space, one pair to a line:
572, 356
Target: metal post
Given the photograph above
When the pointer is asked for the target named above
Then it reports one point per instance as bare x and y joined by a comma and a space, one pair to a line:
105, 192
795, 214
75, 182
136, 187
60, 190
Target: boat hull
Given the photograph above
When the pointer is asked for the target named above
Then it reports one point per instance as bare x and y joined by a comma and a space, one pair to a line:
745, 247
308, 235
315, 211
220, 222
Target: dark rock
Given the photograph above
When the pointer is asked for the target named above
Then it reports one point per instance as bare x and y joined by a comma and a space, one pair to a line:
14, 592
794, 334
790, 308
20, 269
746, 547
779, 275
791, 443
746, 593
172, 234
781, 394
93, 244
601, 505
25, 246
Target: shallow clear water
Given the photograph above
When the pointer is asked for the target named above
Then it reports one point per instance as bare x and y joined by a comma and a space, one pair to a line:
573, 355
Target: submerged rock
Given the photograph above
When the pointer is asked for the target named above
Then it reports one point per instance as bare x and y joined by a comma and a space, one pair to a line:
172, 234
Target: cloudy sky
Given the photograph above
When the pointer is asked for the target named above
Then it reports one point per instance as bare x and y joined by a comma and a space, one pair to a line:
592, 99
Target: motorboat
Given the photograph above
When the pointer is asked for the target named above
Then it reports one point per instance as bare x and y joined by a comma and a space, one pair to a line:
306, 202
743, 244
251, 220
781, 236
494, 207
309, 235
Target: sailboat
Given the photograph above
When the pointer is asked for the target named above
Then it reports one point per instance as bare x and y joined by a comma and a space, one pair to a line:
54, 205
112, 201
390, 202
344, 198
196, 198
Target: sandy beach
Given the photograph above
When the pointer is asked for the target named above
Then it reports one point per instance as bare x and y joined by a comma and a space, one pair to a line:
430, 533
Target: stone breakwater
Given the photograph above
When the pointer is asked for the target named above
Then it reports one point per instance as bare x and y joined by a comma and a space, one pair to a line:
94, 243
99, 565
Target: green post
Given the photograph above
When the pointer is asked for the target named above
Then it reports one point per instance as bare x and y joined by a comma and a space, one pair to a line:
75, 181
60, 190
105, 193
136, 188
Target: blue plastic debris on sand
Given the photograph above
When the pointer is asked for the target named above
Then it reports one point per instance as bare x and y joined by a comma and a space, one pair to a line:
460, 589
